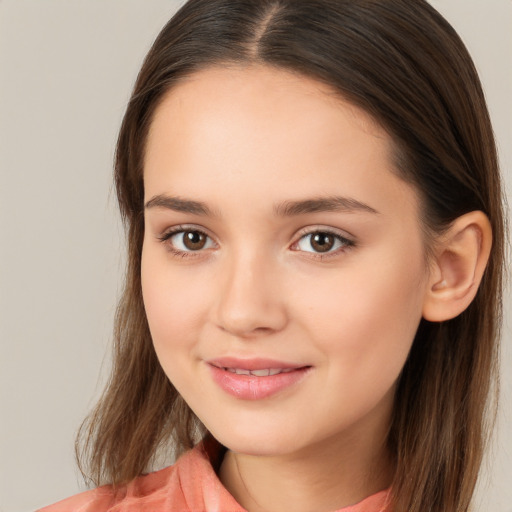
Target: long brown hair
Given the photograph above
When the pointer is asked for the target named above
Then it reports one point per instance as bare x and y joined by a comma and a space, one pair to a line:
401, 62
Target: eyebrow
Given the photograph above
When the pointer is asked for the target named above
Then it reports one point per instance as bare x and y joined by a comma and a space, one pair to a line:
284, 209
179, 204
322, 204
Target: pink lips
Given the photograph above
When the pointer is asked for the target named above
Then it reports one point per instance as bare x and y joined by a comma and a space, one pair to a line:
280, 376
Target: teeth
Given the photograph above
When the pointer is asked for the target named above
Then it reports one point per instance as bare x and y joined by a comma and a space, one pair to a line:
259, 373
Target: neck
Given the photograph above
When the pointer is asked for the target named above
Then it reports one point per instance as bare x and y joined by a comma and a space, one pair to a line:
336, 473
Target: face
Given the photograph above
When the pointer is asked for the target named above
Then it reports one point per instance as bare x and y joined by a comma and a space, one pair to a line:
283, 265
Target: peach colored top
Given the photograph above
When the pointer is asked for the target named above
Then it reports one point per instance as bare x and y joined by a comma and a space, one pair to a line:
190, 485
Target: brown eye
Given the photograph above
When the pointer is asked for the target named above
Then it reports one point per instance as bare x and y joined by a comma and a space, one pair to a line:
187, 240
194, 240
322, 242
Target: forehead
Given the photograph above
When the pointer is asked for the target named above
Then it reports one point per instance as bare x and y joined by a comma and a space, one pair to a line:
257, 94
262, 132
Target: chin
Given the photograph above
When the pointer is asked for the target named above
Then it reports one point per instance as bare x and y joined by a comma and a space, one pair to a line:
259, 441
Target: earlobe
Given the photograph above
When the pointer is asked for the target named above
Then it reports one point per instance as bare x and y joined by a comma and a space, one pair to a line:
461, 256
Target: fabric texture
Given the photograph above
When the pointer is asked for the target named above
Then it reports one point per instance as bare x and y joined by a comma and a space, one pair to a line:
190, 485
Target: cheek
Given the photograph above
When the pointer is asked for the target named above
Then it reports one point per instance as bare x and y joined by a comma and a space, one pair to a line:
174, 305
366, 316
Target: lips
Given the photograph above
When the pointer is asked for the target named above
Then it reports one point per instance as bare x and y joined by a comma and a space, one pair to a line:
255, 379
252, 364
264, 372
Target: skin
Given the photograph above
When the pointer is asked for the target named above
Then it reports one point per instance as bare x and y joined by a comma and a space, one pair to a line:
242, 140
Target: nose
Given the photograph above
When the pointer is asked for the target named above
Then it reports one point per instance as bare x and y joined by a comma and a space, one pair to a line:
250, 302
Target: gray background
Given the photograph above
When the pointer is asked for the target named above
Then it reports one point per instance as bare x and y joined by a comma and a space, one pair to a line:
66, 70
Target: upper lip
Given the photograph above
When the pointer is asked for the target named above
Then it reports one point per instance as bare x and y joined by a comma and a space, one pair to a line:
252, 364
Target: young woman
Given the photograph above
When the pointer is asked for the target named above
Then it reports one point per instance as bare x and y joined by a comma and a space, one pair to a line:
315, 229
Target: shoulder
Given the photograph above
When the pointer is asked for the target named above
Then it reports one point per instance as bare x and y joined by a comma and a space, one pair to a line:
100, 499
190, 485
144, 490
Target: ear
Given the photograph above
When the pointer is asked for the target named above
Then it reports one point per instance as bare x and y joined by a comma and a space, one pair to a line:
461, 255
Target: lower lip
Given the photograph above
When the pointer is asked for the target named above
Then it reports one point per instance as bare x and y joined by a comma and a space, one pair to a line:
250, 387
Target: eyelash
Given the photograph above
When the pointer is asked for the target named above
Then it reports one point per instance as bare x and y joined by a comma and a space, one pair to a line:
345, 242
165, 237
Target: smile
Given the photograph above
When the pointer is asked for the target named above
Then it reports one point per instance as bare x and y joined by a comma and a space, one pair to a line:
259, 373
255, 379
